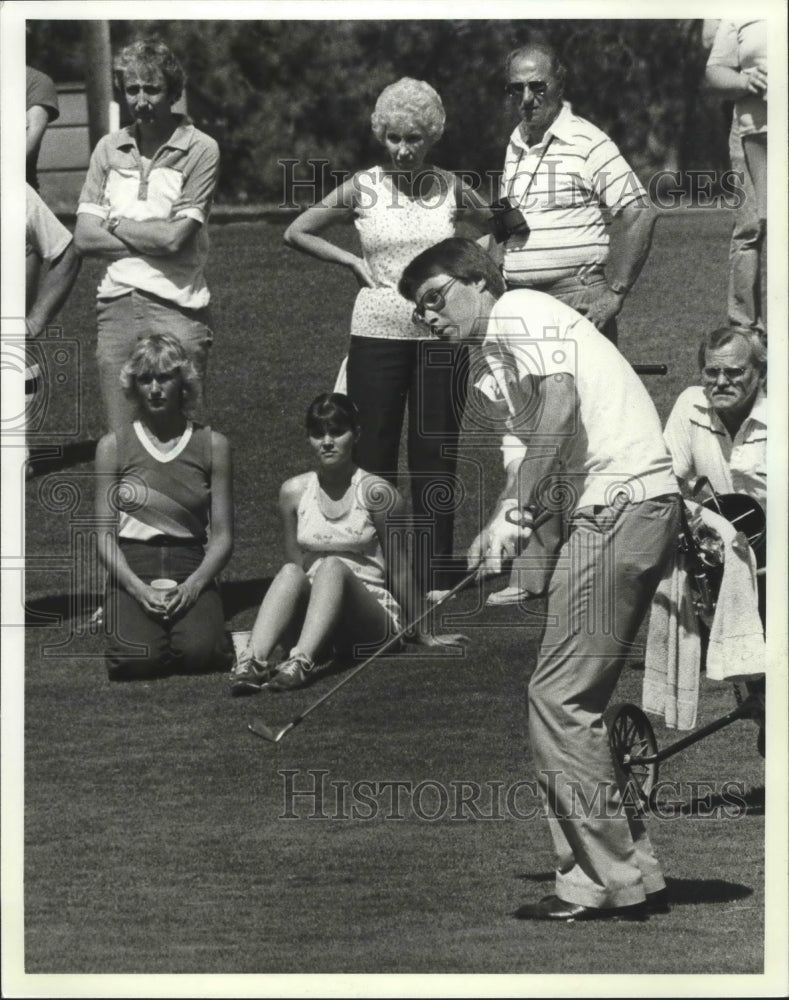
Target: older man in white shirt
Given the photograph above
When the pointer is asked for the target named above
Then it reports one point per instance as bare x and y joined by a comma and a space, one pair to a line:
718, 430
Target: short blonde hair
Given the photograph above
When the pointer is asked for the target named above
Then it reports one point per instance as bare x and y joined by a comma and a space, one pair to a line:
161, 352
411, 102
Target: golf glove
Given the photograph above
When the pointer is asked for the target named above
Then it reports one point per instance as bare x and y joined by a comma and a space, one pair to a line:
509, 529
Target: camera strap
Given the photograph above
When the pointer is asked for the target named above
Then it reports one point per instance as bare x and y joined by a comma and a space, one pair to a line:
514, 177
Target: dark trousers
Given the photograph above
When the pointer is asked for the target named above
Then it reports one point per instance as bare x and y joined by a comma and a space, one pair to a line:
431, 379
142, 646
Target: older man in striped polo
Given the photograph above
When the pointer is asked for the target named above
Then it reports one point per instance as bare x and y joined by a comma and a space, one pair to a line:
568, 179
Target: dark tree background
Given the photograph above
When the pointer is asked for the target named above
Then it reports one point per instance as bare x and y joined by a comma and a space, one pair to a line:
304, 90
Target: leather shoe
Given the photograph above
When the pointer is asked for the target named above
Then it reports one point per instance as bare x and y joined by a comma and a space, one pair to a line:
553, 908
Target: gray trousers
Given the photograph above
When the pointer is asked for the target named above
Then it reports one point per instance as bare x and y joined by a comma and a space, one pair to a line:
605, 577
745, 249
125, 320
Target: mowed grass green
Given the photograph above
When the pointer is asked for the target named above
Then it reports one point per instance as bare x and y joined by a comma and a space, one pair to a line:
154, 833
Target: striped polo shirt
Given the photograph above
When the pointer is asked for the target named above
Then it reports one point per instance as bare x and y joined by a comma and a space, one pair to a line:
568, 187
700, 445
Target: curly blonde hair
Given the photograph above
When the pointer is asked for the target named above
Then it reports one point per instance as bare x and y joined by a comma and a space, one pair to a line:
157, 353
409, 102
151, 54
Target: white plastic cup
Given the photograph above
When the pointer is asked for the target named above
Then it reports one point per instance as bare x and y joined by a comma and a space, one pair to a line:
163, 584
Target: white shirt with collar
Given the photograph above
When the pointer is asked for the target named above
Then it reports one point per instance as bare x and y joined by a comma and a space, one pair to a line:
568, 186
178, 182
700, 445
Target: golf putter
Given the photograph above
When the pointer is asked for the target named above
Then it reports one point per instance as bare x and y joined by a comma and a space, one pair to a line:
275, 735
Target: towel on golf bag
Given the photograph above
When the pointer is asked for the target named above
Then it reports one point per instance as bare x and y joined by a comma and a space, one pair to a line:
673, 653
736, 649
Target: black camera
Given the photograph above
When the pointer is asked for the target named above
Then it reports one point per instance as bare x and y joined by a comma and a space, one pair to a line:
507, 220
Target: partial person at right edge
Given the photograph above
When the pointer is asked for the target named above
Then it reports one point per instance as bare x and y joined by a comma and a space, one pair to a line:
144, 209
744, 297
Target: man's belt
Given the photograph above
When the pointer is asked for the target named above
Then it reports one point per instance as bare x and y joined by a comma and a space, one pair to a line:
583, 278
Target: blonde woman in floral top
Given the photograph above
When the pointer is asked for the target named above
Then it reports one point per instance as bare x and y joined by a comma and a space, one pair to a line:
400, 207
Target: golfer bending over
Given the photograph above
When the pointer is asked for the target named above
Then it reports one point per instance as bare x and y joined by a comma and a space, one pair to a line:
167, 482
594, 438
345, 557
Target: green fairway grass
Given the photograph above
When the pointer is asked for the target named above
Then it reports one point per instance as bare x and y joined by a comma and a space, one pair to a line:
157, 837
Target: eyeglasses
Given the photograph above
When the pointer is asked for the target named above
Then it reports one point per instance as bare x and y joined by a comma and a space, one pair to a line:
536, 87
712, 374
434, 299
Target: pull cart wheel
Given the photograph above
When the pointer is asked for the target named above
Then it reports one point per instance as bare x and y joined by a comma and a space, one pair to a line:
631, 737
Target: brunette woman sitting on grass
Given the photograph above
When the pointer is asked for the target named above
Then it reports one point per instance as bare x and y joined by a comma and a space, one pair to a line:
347, 582
167, 481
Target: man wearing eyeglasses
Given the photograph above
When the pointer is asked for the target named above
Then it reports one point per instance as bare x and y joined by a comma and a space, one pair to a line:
592, 433
719, 429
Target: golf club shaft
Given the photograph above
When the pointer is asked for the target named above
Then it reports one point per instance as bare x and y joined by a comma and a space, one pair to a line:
384, 648
261, 729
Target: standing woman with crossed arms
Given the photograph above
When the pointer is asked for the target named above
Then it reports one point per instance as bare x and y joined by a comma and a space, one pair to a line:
401, 206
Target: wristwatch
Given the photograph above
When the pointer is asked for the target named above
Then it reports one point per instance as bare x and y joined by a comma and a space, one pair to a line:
112, 224
618, 287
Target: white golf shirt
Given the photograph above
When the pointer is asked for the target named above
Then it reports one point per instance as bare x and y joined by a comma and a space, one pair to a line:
700, 445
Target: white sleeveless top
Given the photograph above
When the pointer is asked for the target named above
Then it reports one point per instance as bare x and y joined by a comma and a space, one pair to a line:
394, 229
350, 536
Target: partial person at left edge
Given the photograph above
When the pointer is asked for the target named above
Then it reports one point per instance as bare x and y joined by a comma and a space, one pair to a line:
51, 268
144, 209
41, 108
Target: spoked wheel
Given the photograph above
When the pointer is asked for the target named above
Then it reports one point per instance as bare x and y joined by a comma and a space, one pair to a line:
631, 737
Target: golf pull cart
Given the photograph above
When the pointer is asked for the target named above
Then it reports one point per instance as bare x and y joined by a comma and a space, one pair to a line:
630, 735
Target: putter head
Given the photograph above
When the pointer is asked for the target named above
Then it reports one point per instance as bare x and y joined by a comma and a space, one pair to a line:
266, 732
